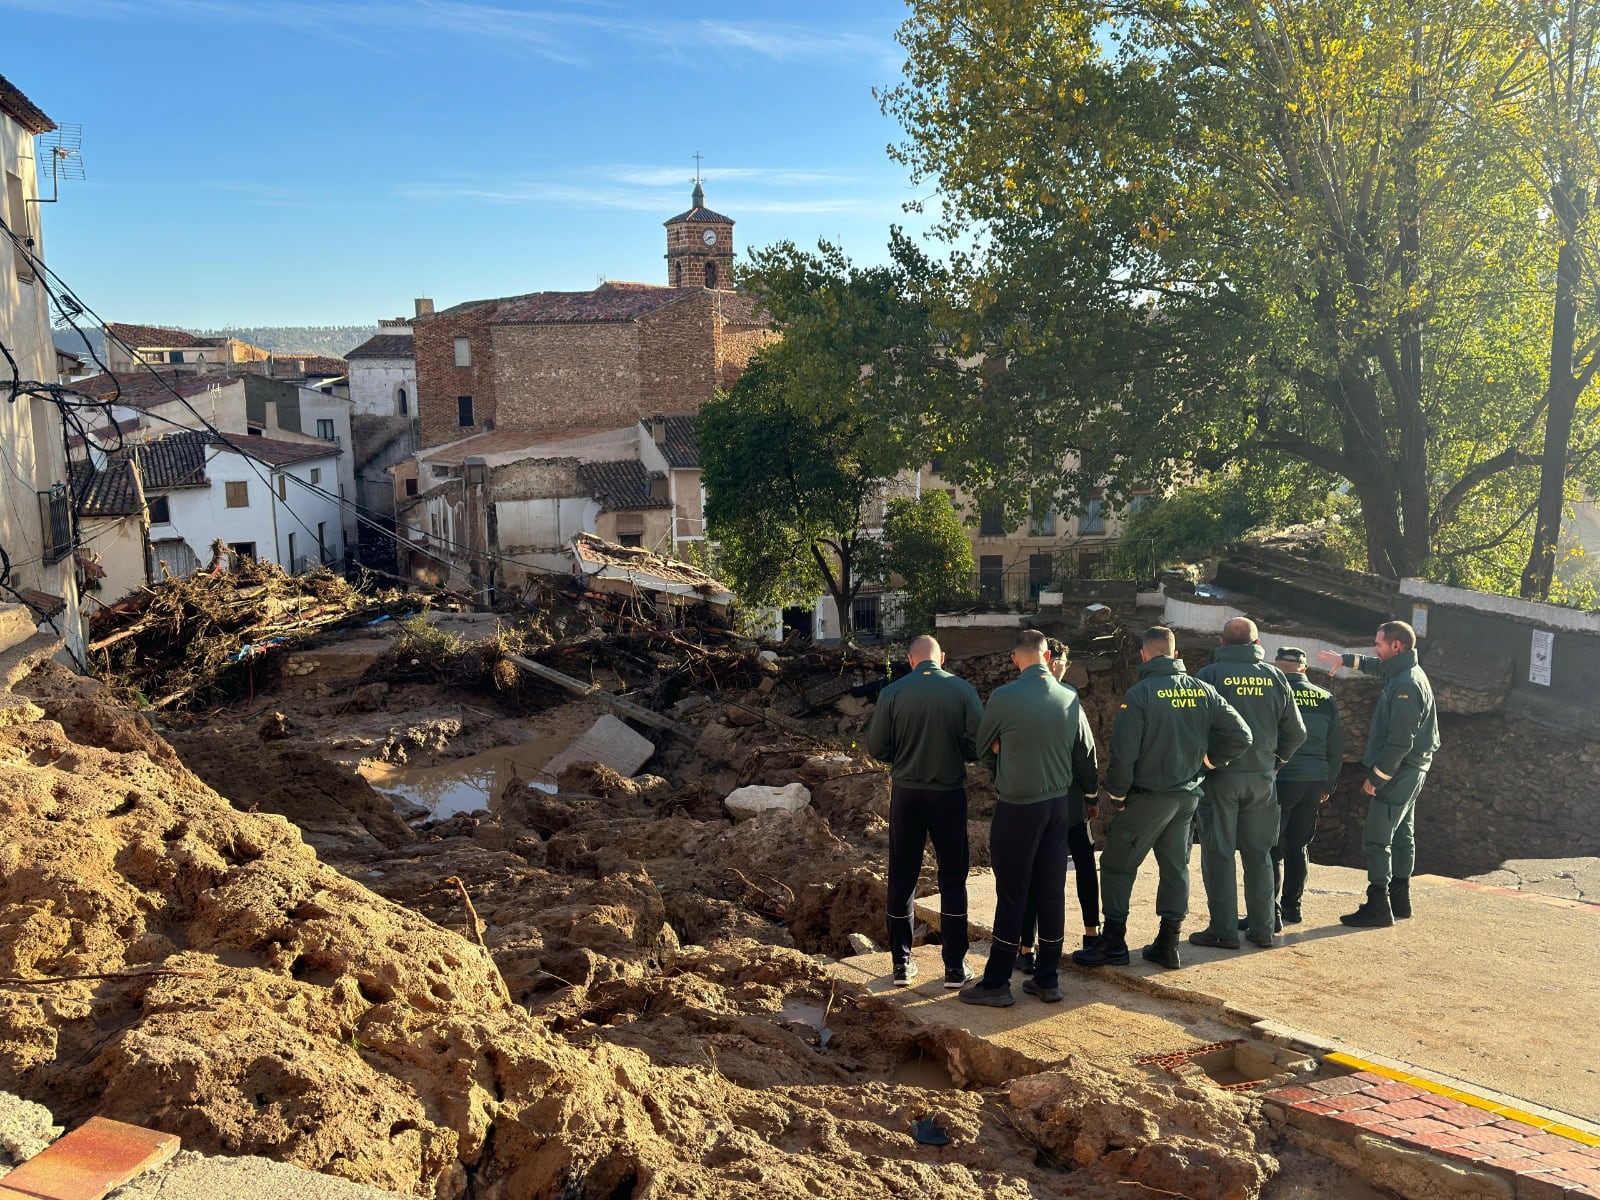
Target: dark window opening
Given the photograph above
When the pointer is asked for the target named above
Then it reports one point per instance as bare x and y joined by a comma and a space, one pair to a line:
400, 402
1041, 571
630, 539
711, 274
160, 511
464, 411
243, 551
411, 487
991, 575
992, 520
865, 612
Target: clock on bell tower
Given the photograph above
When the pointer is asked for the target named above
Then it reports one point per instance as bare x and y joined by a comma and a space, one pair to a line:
700, 246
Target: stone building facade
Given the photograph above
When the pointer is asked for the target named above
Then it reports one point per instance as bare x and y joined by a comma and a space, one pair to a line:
564, 364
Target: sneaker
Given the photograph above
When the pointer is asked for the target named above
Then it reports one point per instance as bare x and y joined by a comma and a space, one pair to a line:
1025, 962
990, 997
904, 973
955, 977
1204, 937
1050, 995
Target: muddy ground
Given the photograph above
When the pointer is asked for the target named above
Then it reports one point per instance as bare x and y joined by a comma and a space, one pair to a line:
248, 945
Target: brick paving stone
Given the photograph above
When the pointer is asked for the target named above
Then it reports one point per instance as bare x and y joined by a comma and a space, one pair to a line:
1581, 1183
1402, 1109
1493, 1133
1366, 1117
1439, 1140
1466, 1116
1511, 1163
90, 1161
1395, 1090
1370, 1077
1315, 1106
1562, 1160
1416, 1125
1518, 1127
1555, 1142
1339, 1085
1292, 1095
1352, 1102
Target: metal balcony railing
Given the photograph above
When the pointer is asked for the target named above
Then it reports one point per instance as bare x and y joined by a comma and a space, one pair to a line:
55, 511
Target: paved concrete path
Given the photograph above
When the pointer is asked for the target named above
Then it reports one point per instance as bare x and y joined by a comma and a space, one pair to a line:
1485, 986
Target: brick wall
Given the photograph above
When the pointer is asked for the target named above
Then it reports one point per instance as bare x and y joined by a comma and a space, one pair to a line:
566, 378
440, 382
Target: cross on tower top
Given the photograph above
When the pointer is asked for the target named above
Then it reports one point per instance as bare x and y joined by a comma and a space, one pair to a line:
697, 157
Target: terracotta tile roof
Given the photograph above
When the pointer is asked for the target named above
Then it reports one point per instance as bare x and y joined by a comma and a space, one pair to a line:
619, 485
595, 554
682, 446
698, 210
282, 454
177, 460
22, 110
152, 337
608, 302
386, 345
147, 389
290, 366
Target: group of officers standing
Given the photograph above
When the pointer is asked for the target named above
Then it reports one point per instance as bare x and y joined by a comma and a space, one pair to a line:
1242, 753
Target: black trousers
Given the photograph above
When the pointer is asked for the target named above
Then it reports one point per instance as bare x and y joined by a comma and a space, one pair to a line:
917, 815
1028, 846
1297, 825
1080, 845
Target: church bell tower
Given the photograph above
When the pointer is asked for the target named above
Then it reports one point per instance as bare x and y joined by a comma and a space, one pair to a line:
700, 245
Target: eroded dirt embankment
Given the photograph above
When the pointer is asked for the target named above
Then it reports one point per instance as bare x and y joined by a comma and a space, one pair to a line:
211, 976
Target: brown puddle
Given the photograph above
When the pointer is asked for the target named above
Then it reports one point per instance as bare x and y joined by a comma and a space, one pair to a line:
458, 785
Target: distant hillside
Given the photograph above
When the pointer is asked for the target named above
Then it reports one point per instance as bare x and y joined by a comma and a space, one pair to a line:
333, 340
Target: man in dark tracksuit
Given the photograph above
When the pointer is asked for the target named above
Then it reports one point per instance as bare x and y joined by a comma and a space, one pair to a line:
925, 726
1304, 782
1036, 739
1400, 745
1170, 730
1239, 813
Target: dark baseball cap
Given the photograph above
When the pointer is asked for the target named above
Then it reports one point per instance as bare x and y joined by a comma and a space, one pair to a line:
1291, 654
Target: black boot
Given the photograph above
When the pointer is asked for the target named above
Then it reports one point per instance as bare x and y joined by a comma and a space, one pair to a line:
1164, 950
1400, 898
1294, 886
1110, 949
1375, 913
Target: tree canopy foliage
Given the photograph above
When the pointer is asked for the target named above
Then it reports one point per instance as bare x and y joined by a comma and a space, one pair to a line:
1201, 232
925, 548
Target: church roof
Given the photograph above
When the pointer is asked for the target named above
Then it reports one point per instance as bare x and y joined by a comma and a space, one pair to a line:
699, 212
608, 302
386, 345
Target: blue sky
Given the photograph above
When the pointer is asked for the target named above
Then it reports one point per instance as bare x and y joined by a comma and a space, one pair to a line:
325, 161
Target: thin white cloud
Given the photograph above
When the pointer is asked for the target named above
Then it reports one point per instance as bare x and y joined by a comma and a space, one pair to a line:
676, 177
552, 33
651, 199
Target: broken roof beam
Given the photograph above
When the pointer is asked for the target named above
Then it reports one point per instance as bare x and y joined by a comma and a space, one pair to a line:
625, 708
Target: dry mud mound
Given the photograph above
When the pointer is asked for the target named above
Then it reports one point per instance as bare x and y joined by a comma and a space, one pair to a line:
198, 969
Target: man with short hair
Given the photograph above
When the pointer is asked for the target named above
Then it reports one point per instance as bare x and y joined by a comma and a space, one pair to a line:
1304, 782
1400, 746
1239, 813
1036, 739
925, 726
1170, 730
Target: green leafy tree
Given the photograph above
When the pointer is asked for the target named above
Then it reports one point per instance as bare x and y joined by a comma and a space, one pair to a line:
927, 548
1208, 232
797, 455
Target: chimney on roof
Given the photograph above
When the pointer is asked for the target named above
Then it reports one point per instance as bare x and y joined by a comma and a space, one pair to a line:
424, 307
658, 429
658, 486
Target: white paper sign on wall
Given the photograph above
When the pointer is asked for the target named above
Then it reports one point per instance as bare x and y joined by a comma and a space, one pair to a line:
1544, 647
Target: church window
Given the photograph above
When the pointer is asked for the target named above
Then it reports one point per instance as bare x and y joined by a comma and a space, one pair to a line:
711, 274
400, 401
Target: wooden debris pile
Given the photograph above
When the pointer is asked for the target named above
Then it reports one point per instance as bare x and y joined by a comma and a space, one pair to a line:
196, 640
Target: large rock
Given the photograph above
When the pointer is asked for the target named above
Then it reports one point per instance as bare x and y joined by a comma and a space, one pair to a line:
756, 798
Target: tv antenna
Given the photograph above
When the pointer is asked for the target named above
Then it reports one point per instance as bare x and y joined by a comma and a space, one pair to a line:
64, 147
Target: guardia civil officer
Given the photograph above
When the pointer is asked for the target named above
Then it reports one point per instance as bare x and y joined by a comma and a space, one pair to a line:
1239, 814
1400, 745
926, 726
1304, 782
1036, 739
1170, 730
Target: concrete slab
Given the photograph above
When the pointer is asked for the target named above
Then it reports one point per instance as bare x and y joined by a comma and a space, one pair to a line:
198, 1177
1573, 878
1484, 986
607, 741
1097, 1018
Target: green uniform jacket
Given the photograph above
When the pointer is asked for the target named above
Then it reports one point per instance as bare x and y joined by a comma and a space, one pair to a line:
1046, 745
926, 726
1322, 753
1405, 724
1260, 694
1170, 730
